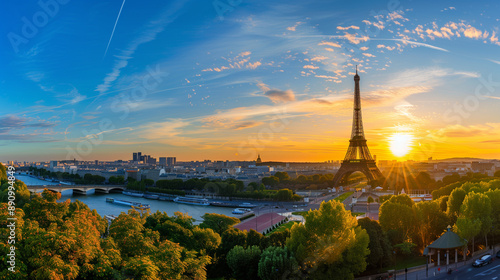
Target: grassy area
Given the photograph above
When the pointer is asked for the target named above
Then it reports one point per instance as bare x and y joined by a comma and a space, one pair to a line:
355, 214
411, 261
284, 226
401, 263
343, 197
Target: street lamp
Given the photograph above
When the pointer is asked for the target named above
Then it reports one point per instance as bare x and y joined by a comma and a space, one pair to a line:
395, 268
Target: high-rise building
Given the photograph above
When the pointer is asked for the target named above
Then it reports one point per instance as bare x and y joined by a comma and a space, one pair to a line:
163, 161
139, 156
134, 157
171, 161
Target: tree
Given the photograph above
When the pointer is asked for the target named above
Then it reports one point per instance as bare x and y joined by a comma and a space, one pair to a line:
380, 247
229, 239
449, 179
455, 201
397, 220
276, 239
131, 236
271, 181
477, 206
20, 189
119, 180
149, 182
254, 238
175, 232
402, 199
497, 173
284, 195
3, 174
218, 222
430, 222
276, 263
494, 196
205, 239
141, 267
282, 176
175, 262
44, 209
330, 245
68, 251
443, 203
467, 229
21, 270
252, 186
424, 180
244, 262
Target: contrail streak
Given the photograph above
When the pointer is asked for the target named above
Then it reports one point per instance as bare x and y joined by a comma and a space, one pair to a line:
415, 43
344, 37
114, 27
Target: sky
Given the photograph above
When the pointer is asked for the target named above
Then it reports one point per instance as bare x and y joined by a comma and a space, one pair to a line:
228, 80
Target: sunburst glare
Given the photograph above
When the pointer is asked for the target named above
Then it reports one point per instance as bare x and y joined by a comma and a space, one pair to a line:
401, 144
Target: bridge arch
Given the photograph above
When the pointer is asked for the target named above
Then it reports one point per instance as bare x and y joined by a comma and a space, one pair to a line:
116, 189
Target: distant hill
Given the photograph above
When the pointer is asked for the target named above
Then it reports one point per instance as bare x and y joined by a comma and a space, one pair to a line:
463, 159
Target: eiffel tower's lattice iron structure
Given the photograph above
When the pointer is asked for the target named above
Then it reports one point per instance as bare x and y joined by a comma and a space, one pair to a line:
358, 157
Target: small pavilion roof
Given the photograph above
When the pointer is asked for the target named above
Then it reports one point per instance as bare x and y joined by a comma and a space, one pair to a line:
449, 240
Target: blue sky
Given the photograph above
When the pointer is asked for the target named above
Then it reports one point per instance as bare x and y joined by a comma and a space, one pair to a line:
207, 80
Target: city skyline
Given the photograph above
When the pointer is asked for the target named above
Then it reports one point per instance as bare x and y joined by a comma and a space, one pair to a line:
199, 82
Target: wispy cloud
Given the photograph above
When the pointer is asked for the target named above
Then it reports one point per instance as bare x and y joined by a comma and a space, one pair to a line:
149, 34
347, 27
10, 124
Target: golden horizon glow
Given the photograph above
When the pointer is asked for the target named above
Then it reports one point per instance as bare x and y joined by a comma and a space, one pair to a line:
401, 144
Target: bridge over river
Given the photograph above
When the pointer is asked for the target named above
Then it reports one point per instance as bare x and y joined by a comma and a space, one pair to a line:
79, 189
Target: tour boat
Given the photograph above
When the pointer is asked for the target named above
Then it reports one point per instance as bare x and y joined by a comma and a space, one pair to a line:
192, 200
247, 205
240, 211
128, 203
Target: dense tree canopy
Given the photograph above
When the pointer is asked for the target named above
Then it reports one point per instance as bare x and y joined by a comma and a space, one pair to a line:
277, 263
244, 262
380, 247
218, 222
67, 240
330, 245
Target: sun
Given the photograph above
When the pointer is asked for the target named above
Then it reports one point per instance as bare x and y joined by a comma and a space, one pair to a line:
400, 144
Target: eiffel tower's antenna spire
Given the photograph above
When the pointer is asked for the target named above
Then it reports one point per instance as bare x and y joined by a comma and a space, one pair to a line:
356, 69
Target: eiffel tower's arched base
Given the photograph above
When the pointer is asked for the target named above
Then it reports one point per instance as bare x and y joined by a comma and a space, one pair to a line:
367, 167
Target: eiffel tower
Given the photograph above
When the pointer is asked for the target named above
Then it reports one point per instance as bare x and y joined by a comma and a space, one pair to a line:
358, 157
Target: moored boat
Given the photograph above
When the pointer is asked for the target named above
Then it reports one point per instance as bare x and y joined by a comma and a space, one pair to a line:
135, 194
128, 203
192, 200
247, 205
224, 204
240, 211
166, 198
151, 196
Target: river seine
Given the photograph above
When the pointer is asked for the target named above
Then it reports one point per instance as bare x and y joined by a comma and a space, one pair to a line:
98, 202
